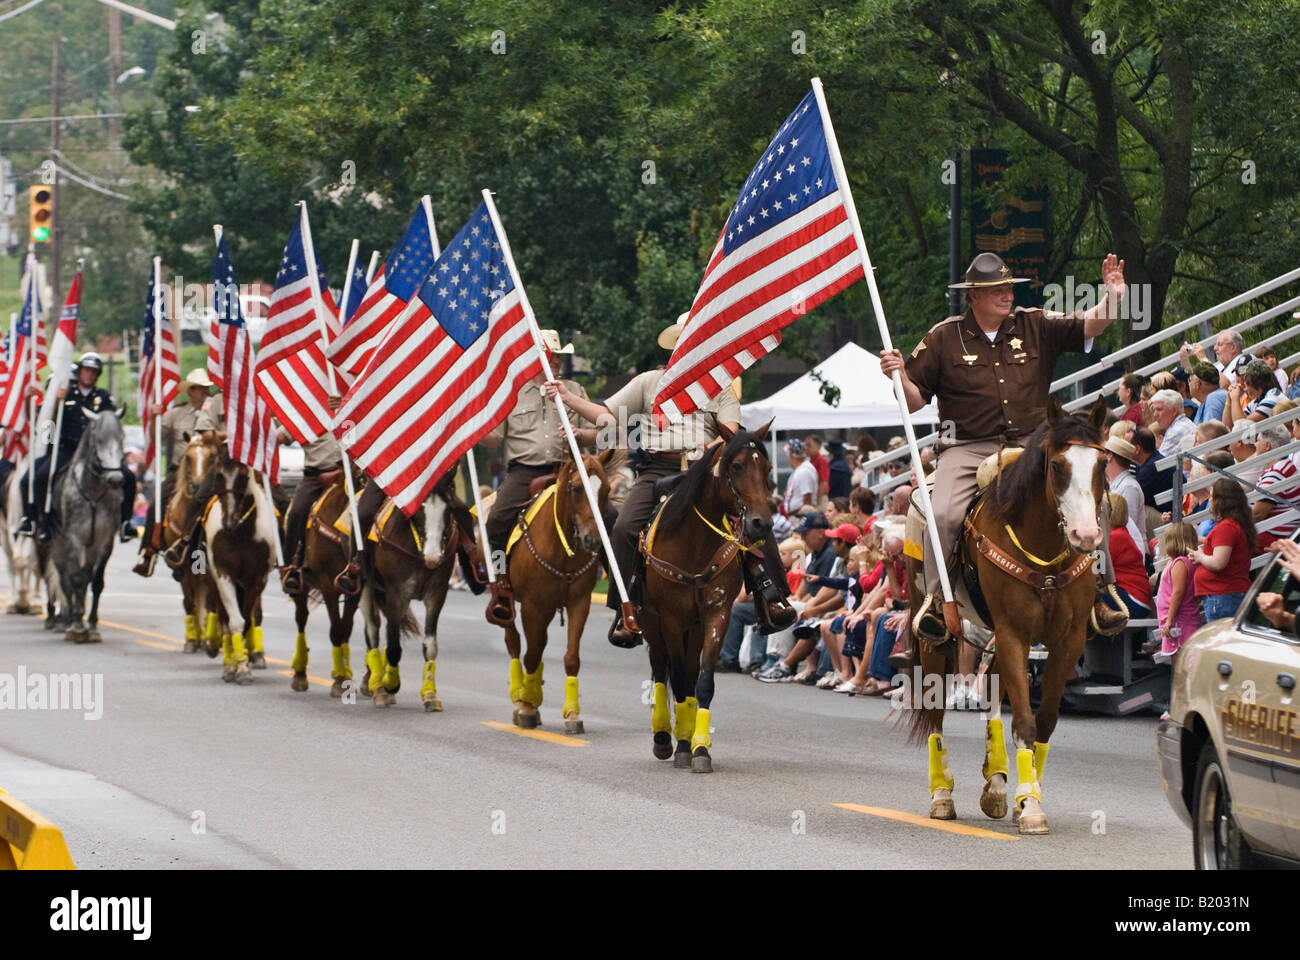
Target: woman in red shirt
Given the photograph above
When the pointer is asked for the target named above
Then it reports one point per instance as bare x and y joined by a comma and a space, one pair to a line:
1130, 395
1131, 581
1223, 562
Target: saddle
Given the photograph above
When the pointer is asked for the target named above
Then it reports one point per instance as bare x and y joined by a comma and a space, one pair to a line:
664, 486
338, 531
538, 484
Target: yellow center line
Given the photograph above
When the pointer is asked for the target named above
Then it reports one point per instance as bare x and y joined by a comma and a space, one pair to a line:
289, 673
537, 734
917, 821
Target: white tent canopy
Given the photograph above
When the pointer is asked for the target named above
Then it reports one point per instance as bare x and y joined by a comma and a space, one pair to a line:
866, 398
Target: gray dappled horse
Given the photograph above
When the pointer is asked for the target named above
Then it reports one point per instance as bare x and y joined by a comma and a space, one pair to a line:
19, 552
88, 499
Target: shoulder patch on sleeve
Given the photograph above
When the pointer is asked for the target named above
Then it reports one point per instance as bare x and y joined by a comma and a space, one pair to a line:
919, 347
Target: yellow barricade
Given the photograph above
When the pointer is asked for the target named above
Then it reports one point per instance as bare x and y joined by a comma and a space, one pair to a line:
28, 841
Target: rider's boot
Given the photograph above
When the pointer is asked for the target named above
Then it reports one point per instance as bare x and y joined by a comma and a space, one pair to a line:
619, 634
348, 581
928, 623
1106, 620
771, 609
45, 528
144, 564
127, 533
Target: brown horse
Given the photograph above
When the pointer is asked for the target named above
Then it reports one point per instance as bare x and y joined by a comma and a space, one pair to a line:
326, 550
198, 591
409, 559
1031, 539
554, 566
718, 509
239, 528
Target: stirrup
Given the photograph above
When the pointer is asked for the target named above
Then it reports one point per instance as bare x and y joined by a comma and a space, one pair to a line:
774, 613
291, 579
928, 625
174, 556
622, 637
347, 581
144, 564
501, 605
1104, 620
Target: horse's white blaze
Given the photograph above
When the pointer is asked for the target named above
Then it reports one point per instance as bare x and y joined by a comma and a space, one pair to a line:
1078, 506
435, 520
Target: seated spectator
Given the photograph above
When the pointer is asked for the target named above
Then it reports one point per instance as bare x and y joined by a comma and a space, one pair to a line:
1204, 386
900, 501
1131, 579
1223, 562
1268, 355
862, 504
1198, 500
1130, 398
1120, 480
1167, 413
1281, 479
792, 556
1254, 394
1293, 391
1151, 480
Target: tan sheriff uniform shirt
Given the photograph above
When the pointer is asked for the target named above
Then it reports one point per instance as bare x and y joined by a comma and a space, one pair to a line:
322, 453
532, 431
998, 389
183, 420
210, 415
696, 429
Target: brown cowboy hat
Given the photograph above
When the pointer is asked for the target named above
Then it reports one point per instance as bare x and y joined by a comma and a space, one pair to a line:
987, 270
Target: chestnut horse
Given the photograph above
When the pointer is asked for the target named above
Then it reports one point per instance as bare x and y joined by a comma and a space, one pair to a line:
198, 591
718, 509
239, 528
554, 566
1031, 538
409, 559
326, 550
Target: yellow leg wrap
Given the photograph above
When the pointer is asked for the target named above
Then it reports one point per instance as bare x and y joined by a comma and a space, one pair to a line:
940, 775
660, 722
532, 692
191, 627
995, 750
227, 651
375, 664
701, 738
1028, 786
571, 708
429, 685
516, 679
1040, 759
392, 680
238, 652
342, 661
212, 627
684, 726
256, 637
299, 663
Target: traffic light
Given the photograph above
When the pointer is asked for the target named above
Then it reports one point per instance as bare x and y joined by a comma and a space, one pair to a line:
40, 212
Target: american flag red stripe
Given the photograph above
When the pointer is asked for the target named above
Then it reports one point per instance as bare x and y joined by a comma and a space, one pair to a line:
445, 375
292, 376
156, 359
788, 246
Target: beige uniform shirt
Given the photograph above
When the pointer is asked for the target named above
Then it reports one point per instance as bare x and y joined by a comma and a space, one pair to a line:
178, 425
210, 416
532, 431
636, 400
321, 453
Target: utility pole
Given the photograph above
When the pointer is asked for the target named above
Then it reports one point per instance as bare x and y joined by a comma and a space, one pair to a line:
56, 87
114, 71
954, 235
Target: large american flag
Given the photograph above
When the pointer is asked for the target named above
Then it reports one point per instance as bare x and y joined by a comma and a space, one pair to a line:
60, 362
445, 374
13, 411
391, 289
292, 376
156, 360
250, 435
15, 442
787, 246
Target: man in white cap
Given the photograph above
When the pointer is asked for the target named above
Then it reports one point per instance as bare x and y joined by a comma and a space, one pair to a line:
535, 445
1120, 479
178, 425
664, 451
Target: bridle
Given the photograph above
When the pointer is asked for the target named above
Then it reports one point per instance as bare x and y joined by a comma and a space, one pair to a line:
742, 507
570, 522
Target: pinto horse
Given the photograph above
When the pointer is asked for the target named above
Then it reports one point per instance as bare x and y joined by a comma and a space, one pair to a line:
19, 552
326, 550
554, 566
1030, 537
409, 558
239, 527
198, 591
718, 509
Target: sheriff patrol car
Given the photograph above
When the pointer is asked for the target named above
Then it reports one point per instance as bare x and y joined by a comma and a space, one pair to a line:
1230, 751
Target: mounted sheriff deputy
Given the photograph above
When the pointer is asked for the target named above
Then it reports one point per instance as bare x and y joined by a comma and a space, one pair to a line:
991, 371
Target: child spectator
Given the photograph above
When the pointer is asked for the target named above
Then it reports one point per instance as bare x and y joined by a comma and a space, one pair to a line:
1176, 605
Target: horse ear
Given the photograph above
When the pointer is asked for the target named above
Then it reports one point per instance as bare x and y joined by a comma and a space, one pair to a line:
761, 432
605, 456
724, 431
1054, 410
1098, 413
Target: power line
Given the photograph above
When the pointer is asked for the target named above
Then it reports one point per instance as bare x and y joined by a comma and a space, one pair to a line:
22, 9
78, 116
88, 185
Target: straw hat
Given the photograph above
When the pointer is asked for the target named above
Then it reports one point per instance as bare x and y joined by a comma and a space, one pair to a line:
669, 334
1121, 448
198, 377
551, 340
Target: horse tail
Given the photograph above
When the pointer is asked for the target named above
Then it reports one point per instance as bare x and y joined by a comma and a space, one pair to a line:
923, 720
409, 626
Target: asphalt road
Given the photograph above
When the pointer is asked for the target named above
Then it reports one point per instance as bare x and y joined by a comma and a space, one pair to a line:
183, 770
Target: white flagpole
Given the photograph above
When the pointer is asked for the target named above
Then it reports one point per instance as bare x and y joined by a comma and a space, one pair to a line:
32, 296
837, 164
374, 265
478, 511
628, 621
433, 233
347, 283
309, 252
157, 390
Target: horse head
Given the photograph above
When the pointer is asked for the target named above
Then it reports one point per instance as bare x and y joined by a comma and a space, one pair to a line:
741, 466
101, 446
201, 454
234, 490
1074, 465
572, 506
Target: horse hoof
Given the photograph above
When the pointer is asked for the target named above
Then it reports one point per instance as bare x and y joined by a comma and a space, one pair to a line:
1032, 820
682, 756
299, 683
18, 608
228, 673
50, 623
243, 674
382, 698
941, 806
191, 646
94, 637
701, 762
78, 634
573, 726
365, 684
211, 649
432, 705
993, 798
257, 661
527, 717
663, 748
336, 691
